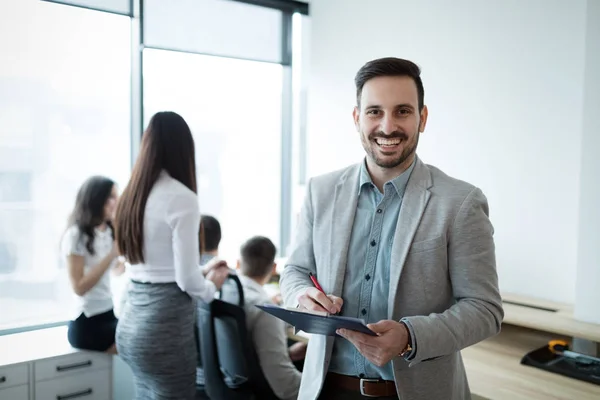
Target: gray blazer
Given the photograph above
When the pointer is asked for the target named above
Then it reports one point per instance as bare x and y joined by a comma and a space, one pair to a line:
442, 277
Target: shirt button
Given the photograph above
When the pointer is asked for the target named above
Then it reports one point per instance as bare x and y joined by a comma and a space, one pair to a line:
373, 243
363, 311
379, 211
368, 277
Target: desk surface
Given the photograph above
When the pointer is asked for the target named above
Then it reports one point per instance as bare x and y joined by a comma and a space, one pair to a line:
35, 345
548, 316
494, 370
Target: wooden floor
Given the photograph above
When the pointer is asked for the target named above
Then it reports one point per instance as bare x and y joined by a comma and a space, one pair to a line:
494, 370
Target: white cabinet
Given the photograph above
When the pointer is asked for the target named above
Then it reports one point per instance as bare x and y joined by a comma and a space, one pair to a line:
14, 375
70, 364
91, 385
14, 382
41, 365
15, 393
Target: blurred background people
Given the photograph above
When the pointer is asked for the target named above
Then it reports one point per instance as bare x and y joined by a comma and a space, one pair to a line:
90, 250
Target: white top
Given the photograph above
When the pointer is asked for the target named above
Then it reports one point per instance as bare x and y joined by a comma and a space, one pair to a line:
99, 298
270, 341
171, 247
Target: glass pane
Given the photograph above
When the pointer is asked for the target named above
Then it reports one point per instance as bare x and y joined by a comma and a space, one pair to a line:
216, 27
64, 115
234, 110
115, 6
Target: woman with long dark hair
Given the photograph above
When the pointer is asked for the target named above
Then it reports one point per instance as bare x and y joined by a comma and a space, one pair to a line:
157, 232
90, 249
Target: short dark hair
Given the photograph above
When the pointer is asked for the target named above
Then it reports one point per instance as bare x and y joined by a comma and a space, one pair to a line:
389, 66
212, 232
258, 256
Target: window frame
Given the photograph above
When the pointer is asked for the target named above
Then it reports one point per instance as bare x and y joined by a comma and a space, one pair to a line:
136, 13
71, 4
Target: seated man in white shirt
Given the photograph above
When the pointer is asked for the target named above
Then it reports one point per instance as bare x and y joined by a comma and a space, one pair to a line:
210, 238
256, 265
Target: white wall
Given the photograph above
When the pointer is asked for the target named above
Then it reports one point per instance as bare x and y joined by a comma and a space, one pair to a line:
588, 266
504, 85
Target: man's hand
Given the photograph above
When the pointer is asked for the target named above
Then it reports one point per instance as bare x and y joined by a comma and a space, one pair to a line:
391, 339
298, 351
277, 299
315, 300
218, 276
213, 264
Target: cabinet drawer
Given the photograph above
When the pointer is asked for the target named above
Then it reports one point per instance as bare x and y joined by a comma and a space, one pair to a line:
91, 385
71, 364
13, 375
15, 393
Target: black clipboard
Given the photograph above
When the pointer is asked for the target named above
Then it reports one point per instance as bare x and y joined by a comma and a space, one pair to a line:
320, 324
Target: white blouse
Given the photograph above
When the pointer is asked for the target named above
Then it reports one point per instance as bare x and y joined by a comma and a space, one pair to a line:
171, 248
99, 298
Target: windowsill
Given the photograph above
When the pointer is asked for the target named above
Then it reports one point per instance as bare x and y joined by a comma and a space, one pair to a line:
30, 328
35, 345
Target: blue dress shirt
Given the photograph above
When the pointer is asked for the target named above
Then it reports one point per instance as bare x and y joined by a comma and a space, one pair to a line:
366, 281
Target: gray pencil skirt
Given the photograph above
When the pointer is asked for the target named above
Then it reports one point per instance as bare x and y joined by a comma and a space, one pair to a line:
155, 337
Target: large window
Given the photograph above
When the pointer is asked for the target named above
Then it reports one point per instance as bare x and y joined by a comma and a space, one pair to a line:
216, 27
64, 115
234, 110
79, 79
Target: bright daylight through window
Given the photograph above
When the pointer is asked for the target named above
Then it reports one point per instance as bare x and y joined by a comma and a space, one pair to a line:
233, 108
71, 105
64, 115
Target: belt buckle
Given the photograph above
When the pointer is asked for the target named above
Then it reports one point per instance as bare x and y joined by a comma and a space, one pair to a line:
362, 387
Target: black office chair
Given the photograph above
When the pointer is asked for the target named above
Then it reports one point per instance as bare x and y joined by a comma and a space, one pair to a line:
227, 356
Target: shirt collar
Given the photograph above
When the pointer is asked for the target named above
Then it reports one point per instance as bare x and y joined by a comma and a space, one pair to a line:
205, 258
252, 284
398, 182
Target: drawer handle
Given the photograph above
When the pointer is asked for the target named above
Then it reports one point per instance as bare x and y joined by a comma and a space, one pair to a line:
75, 395
61, 368
2, 379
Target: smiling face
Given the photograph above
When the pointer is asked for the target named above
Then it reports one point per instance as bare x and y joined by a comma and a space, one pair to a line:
389, 122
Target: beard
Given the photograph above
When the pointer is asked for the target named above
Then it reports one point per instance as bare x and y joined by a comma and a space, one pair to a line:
374, 151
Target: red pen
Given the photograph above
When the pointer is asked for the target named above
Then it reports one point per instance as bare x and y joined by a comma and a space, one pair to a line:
314, 281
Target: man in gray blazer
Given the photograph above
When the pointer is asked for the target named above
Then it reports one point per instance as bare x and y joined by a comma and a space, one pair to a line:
399, 244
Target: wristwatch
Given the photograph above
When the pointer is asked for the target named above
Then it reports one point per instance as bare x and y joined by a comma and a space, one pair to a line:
408, 348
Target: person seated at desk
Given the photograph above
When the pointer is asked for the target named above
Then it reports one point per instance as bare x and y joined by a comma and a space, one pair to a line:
255, 267
210, 238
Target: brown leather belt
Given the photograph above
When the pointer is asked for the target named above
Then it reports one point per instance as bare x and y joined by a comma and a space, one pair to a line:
366, 387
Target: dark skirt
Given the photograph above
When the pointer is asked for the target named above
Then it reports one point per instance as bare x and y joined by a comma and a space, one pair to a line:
94, 333
155, 337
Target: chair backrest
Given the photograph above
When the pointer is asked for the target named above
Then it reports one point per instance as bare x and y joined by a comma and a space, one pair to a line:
231, 368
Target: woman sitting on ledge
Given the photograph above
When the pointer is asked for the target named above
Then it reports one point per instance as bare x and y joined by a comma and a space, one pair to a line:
90, 250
